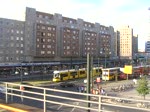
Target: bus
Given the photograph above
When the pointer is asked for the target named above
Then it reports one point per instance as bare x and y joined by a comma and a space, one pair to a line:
109, 73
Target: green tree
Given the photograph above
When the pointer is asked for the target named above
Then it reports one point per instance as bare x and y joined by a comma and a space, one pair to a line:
142, 87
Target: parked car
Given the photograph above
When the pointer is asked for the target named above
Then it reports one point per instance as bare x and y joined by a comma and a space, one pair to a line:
67, 84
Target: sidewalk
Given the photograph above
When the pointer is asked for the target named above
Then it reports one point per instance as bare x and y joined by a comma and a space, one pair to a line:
16, 107
130, 93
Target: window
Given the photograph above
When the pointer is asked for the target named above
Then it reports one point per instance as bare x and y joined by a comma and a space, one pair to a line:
21, 51
17, 31
48, 46
43, 27
0, 58
17, 51
12, 38
42, 52
17, 58
42, 33
42, 40
48, 52
49, 34
17, 45
1, 52
68, 47
21, 45
46, 17
21, 38
40, 16
49, 28
41, 21
17, 38
21, 32
12, 45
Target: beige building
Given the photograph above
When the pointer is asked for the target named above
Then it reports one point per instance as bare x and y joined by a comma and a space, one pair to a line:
128, 43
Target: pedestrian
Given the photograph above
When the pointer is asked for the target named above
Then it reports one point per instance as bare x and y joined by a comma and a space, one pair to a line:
79, 89
82, 89
97, 91
134, 81
102, 92
85, 89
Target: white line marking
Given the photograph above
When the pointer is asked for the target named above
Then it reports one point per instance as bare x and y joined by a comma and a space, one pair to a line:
59, 107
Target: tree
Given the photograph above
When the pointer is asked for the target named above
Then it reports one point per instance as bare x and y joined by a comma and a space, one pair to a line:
142, 87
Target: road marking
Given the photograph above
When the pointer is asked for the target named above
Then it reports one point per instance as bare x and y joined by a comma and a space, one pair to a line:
75, 103
12, 108
59, 107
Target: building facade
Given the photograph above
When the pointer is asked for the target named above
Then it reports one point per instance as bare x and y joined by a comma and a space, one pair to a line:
53, 37
11, 40
128, 42
147, 46
117, 43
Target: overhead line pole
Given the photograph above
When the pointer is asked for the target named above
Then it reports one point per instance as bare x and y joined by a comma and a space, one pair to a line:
88, 79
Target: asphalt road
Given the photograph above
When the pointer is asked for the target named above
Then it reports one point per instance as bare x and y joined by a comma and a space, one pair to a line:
60, 108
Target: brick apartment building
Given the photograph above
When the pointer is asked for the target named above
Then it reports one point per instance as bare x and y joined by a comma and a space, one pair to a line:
52, 37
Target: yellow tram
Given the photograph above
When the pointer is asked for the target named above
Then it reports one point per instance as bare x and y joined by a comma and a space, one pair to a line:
64, 75
109, 73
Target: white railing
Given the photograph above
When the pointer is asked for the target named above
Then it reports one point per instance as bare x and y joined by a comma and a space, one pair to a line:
49, 96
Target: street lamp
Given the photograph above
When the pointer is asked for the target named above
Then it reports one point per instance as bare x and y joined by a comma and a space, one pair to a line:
105, 59
20, 70
103, 51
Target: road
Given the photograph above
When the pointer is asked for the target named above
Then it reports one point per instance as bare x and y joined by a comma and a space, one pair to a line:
58, 108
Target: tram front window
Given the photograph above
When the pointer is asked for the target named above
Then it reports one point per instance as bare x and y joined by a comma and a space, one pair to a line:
56, 75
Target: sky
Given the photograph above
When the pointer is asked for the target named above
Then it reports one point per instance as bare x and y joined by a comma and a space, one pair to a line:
114, 13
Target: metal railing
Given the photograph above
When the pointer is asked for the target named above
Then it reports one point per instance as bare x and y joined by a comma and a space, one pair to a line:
54, 96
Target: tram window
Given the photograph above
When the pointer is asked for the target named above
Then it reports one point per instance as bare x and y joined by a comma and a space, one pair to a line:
97, 70
82, 72
105, 75
111, 74
56, 75
64, 75
105, 70
73, 73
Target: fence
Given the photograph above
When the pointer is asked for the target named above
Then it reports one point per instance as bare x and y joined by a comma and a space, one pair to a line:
67, 98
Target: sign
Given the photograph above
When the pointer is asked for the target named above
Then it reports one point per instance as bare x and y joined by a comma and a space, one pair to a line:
98, 79
128, 69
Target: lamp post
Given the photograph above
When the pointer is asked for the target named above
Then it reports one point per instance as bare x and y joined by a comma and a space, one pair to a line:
20, 70
105, 59
98, 65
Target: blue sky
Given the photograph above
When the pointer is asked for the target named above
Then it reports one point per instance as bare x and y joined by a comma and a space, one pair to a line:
134, 13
